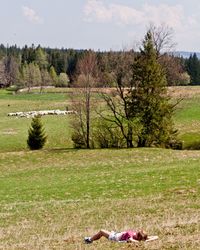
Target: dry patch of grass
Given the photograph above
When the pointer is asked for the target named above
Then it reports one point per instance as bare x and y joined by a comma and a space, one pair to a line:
184, 91
55, 195
45, 225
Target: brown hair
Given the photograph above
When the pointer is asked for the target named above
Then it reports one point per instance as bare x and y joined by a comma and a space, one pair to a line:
142, 235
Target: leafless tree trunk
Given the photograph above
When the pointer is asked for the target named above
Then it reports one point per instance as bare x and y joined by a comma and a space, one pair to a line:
163, 38
3, 78
87, 71
117, 101
164, 45
45, 79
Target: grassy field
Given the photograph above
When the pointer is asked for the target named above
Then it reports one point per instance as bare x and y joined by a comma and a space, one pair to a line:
187, 117
14, 131
60, 193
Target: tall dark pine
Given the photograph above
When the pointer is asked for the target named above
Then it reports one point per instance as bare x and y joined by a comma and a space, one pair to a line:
148, 99
193, 69
36, 135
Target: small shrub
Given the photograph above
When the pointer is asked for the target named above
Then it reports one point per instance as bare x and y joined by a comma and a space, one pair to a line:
78, 140
62, 81
107, 136
36, 135
176, 144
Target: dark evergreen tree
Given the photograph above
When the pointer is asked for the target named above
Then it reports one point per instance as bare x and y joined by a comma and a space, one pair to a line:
193, 69
3, 51
36, 135
148, 100
28, 54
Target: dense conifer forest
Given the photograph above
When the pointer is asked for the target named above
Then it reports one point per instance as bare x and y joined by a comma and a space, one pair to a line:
54, 66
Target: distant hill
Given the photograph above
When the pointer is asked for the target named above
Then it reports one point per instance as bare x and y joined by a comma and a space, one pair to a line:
185, 54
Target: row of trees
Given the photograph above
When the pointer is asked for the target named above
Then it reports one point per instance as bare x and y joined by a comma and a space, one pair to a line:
33, 72
54, 63
137, 112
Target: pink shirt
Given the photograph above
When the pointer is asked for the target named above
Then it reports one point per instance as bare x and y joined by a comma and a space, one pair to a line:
129, 234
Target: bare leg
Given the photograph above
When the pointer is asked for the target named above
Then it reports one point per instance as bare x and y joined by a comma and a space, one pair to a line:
150, 238
101, 233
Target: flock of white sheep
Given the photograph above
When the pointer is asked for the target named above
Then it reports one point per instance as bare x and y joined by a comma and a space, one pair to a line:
31, 114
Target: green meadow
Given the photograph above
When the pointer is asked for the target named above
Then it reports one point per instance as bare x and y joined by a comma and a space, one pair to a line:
59, 193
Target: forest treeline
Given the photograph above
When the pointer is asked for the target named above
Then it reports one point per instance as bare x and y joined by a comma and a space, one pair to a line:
37, 66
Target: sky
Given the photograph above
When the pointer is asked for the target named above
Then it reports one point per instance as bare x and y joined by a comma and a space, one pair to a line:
97, 24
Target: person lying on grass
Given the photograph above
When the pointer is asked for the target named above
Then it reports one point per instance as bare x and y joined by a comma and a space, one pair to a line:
126, 236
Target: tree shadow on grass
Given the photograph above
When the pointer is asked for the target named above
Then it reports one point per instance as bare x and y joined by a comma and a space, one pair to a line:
193, 146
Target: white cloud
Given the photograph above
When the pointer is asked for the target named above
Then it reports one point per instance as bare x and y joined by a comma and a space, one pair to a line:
171, 15
31, 15
126, 15
95, 10
135, 20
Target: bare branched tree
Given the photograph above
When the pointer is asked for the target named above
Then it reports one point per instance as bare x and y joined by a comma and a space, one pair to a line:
162, 38
45, 79
87, 72
117, 101
3, 79
11, 70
